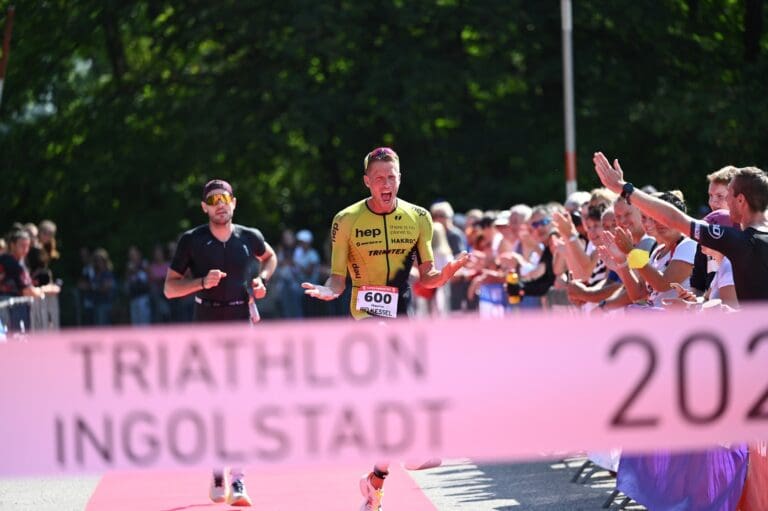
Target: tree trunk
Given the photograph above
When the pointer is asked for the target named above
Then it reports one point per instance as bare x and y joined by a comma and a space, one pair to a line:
753, 29
114, 42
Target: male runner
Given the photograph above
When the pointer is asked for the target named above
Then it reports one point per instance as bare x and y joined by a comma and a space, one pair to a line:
377, 240
221, 257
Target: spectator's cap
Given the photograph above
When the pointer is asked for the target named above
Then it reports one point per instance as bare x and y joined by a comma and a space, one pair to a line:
719, 217
502, 218
216, 184
304, 236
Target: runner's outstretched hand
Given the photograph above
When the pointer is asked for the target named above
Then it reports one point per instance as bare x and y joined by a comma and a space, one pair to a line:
452, 267
318, 291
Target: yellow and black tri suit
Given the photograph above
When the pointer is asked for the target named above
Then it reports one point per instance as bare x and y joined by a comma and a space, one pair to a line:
378, 249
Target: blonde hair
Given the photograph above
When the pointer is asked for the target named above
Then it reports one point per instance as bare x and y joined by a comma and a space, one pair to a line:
443, 207
722, 176
602, 196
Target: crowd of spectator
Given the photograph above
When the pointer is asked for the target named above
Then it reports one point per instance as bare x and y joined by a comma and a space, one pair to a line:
572, 255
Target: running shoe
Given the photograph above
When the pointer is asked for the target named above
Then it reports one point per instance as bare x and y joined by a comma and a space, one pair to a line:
237, 494
372, 496
218, 491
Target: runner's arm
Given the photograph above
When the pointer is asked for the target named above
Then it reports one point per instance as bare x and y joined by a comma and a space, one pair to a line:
336, 282
177, 285
268, 262
430, 277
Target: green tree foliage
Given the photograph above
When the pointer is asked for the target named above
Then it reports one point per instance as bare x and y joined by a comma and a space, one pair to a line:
115, 113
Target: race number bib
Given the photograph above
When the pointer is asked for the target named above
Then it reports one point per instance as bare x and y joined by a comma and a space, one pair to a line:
378, 300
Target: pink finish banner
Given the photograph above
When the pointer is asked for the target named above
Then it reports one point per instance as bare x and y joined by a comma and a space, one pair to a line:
342, 392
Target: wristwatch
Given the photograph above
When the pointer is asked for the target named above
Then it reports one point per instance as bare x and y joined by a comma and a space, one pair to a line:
626, 191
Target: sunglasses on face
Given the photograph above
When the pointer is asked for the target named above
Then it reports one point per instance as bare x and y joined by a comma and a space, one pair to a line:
381, 153
541, 223
214, 198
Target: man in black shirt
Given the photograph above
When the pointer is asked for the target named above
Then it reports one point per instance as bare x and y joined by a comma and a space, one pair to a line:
747, 200
221, 260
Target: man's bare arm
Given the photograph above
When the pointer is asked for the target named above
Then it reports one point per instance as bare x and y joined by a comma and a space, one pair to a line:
612, 177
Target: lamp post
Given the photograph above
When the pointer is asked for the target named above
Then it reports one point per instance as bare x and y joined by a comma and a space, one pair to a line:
570, 128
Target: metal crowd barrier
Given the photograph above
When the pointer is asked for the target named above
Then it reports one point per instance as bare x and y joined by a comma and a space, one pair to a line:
22, 314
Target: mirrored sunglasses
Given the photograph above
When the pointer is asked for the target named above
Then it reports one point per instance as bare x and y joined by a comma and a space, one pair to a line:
214, 198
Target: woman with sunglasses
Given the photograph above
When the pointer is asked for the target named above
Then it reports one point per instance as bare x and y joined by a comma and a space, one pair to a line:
226, 265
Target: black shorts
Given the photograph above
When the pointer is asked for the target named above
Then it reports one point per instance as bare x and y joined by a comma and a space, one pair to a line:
205, 313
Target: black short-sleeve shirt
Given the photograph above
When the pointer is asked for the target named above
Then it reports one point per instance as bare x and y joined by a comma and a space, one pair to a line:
14, 277
747, 251
199, 251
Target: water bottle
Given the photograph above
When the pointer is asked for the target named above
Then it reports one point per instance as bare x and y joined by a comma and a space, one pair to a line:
514, 291
253, 310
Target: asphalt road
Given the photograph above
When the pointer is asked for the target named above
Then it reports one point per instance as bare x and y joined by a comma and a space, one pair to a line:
458, 485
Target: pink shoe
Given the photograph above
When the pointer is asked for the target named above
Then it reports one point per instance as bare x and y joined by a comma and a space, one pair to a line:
372, 496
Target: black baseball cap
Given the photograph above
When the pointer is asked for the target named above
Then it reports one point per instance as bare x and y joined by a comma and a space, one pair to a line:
216, 184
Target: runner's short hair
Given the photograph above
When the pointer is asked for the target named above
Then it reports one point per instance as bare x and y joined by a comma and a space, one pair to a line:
380, 154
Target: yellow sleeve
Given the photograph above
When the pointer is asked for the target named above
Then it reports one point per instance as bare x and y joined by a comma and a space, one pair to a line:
424, 244
340, 243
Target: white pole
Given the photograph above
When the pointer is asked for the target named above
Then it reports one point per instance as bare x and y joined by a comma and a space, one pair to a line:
570, 129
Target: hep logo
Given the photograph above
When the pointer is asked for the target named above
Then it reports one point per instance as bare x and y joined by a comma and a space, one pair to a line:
716, 231
367, 233
334, 230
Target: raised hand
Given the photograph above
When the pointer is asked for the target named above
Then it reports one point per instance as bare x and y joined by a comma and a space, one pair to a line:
623, 240
564, 224
615, 253
608, 258
611, 176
